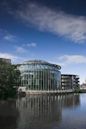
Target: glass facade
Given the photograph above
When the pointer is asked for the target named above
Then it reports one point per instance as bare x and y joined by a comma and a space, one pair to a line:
40, 75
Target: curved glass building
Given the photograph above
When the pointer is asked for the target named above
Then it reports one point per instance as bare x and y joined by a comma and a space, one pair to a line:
40, 75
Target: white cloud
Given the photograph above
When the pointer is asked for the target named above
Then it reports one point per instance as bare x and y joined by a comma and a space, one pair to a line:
20, 49
9, 37
8, 56
14, 59
72, 59
6, 36
31, 45
23, 48
58, 22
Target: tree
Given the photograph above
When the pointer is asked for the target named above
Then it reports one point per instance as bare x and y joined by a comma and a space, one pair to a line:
9, 80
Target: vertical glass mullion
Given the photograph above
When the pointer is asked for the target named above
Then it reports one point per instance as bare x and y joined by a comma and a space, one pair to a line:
43, 77
32, 77
48, 78
43, 80
38, 78
54, 79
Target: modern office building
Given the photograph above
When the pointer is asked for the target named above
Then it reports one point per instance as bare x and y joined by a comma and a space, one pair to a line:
69, 81
4, 60
40, 75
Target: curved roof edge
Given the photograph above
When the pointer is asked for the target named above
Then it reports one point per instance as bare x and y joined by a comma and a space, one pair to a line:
41, 62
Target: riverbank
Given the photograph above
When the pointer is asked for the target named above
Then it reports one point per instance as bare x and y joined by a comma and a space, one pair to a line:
56, 92
82, 91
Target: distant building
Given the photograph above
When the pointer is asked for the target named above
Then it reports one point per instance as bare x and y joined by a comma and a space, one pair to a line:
4, 60
83, 86
69, 81
40, 75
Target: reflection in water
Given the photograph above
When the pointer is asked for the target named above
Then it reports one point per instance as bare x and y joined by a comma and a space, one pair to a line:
8, 115
39, 111
36, 111
69, 101
42, 112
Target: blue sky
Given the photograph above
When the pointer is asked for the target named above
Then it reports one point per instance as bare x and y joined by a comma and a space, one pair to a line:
54, 31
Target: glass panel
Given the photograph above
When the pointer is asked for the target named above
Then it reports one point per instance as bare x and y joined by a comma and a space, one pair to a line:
40, 77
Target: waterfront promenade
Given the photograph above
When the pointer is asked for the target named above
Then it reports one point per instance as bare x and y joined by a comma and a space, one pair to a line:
49, 92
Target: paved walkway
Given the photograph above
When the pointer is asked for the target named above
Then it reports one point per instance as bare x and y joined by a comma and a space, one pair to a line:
49, 92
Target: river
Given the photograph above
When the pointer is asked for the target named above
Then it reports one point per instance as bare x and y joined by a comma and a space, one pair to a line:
44, 112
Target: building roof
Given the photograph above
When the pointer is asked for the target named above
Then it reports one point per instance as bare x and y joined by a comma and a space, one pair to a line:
70, 75
41, 62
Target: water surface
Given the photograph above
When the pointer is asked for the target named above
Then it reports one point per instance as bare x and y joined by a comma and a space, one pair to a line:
44, 112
